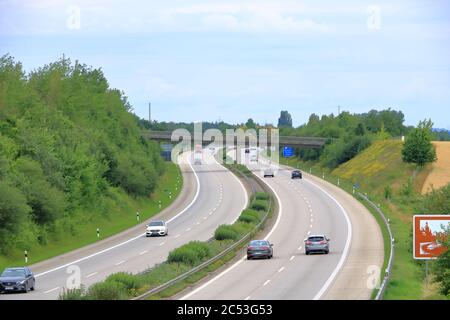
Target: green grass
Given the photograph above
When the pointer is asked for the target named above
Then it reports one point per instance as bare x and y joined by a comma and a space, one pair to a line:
378, 166
121, 218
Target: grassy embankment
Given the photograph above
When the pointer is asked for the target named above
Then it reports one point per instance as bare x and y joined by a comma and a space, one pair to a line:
379, 170
122, 217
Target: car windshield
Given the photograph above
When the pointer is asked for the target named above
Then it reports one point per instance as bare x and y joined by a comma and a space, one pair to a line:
156, 224
13, 273
315, 239
258, 243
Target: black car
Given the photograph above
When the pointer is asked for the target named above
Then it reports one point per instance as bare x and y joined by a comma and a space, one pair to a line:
296, 174
259, 249
17, 279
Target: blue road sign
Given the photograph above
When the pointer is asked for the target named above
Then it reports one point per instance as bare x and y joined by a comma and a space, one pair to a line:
288, 152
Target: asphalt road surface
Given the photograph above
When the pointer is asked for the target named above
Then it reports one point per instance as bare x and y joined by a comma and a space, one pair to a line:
212, 196
307, 206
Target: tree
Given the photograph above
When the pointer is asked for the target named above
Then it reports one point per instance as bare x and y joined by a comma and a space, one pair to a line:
443, 265
285, 119
418, 148
250, 124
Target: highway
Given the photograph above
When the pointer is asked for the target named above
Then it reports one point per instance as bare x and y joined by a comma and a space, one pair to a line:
212, 196
307, 206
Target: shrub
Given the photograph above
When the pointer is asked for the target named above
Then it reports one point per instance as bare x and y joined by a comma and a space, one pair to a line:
111, 290
259, 205
249, 216
225, 232
130, 281
261, 196
190, 253
73, 294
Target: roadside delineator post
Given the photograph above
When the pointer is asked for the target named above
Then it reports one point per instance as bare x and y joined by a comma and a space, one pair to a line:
323, 175
159, 204
339, 182
137, 216
170, 195
98, 232
310, 170
26, 256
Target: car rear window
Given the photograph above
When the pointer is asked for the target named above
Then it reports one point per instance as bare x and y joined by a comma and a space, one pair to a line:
314, 239
258, 243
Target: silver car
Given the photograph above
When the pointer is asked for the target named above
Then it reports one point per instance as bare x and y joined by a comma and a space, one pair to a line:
317, 243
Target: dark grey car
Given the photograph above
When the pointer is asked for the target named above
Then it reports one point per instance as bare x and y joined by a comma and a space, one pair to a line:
317, 243
17, 279
259, 249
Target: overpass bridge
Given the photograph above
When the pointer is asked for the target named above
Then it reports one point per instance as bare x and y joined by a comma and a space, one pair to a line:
293, 141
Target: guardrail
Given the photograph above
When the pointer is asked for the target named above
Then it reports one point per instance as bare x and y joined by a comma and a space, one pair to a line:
388, 270
205, 264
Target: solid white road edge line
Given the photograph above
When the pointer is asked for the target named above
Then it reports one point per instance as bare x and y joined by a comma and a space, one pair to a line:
129, 240
280, 206
346, 247
51, 290
243, 189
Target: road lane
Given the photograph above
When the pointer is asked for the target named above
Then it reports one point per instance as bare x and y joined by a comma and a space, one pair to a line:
301, 276
220, 200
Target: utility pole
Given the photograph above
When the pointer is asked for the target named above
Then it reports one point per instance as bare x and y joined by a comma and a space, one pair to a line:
339, 110
149, 112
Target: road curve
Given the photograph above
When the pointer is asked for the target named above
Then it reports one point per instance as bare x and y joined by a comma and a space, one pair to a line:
218, 198
307, 206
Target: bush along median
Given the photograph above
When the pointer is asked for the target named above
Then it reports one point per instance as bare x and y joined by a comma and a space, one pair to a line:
120, 286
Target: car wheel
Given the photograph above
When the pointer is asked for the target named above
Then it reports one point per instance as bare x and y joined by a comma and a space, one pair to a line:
307, 252
327, 252
249, 258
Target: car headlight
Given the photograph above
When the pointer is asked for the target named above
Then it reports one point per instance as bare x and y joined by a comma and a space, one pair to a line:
21, 282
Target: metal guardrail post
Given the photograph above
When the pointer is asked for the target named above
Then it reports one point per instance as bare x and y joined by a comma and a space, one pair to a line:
388, 270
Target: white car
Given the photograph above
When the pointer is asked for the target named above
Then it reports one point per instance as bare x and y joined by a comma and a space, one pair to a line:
269, 173
157, 228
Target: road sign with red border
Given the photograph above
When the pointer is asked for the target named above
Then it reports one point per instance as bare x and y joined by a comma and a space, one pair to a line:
429, 234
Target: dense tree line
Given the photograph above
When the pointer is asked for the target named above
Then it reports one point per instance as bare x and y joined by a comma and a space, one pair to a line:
349, 133
68, 144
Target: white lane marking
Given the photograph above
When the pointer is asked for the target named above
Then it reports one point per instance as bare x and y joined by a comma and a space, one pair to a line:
188, 229
195, 197
204, 218
51, 290
211, 213
197, 223
143, 252
300, 248
281, 269
310, 225
162, 243
292, 258
91, 275
346, 247
310, 209
248, 298
177, 236
309, 232
129, 240
266, 283
237, 263
120, 262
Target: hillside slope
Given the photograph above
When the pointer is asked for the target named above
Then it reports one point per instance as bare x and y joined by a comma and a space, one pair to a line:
439, 175
71, 154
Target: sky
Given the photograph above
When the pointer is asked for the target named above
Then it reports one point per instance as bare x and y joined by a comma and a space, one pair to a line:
233, 60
